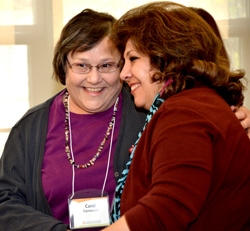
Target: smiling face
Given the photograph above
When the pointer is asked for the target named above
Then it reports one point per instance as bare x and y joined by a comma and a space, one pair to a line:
137, 72
93, 92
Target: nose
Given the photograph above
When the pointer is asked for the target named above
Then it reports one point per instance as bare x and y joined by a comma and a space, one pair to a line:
94, 76
125, 72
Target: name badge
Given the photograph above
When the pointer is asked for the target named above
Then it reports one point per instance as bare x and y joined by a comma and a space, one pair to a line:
88, 212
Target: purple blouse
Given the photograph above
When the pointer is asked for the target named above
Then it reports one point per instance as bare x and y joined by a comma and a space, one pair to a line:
88, 131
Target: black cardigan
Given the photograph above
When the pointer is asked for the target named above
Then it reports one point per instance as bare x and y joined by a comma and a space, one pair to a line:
23, 205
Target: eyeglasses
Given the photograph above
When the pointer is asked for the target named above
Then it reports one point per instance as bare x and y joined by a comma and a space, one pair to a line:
83, 68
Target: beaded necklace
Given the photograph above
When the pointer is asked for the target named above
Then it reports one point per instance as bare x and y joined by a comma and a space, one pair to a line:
67, 130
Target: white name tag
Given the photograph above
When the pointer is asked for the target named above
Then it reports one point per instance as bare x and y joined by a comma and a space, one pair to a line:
88, 212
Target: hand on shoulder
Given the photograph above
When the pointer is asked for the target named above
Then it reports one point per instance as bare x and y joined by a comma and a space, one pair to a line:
243, 114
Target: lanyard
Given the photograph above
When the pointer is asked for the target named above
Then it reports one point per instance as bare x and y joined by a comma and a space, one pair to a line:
72, 153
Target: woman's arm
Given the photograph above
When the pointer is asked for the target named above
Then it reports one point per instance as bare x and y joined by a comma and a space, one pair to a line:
18, 198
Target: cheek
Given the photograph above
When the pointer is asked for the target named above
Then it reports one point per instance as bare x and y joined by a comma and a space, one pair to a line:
68, 81
113, 80
73, 79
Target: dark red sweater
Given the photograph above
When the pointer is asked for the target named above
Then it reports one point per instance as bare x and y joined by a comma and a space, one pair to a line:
191, 168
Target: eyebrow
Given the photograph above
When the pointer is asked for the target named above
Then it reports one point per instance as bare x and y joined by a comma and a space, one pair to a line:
100, 61
127, 54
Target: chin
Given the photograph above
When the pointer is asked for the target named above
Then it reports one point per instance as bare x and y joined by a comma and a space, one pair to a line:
93, 107
139, 104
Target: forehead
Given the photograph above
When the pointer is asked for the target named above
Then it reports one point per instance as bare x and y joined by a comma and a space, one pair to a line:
129, 44
130, 47
103, 50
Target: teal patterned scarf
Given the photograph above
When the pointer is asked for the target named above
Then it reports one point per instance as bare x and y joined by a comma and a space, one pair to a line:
121, 182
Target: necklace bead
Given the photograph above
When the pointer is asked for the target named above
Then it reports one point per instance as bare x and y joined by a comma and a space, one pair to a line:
67, 148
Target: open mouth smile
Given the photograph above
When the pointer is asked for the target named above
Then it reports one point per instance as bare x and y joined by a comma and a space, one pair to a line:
96, 89
134, 86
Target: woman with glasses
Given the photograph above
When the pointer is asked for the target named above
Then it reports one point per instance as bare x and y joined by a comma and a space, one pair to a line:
74, 146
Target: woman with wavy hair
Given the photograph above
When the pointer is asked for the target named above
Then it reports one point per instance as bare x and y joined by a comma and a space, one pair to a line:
190, 166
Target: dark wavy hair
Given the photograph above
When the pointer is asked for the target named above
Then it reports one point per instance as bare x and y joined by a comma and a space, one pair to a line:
182, 46
83, 32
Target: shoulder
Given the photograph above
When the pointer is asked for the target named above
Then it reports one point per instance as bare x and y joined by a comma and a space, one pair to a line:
200, 95
200, 107
201, 100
